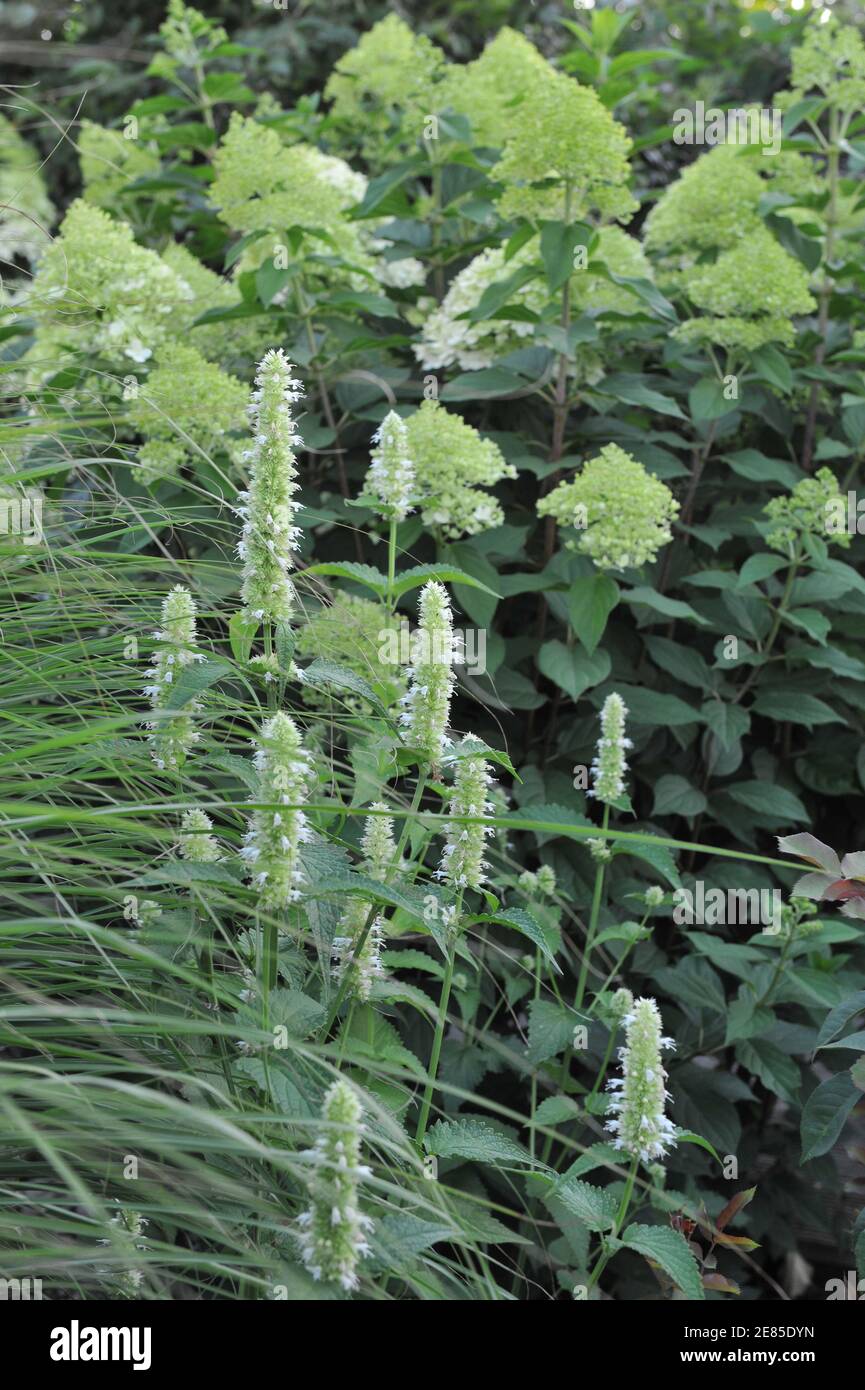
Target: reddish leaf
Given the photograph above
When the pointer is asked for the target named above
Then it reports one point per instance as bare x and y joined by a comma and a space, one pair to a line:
683, 1224
734, 1205
843, 889
720, 1283
737, 1242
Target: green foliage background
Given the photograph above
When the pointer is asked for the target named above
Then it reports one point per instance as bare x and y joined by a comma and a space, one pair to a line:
130, 1038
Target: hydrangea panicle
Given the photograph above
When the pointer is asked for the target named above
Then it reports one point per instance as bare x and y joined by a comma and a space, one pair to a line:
26, 212
357, 634
566, 155
814, 507
453, 464
614, 511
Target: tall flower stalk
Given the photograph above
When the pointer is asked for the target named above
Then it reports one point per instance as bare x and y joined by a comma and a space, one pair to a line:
277, 830
462, 866
430, 675
638, 1097
608, 771
391, 482
637, 1104
173, 734
358, 951
269, 538
332, 1232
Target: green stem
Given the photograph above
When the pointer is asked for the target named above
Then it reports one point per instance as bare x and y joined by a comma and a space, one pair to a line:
534, 1101
599, 1079
407, 823
776, 625
597, 899
437, 1042
268, 651
391, 563
833, 177
606, 1254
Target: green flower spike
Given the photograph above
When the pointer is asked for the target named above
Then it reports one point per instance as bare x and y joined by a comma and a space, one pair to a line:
173, 735
197, 845
462, 863
332, 1232
609, 766
391, 475
272, 843
427, 702
269, 539
638, 1096
364, 967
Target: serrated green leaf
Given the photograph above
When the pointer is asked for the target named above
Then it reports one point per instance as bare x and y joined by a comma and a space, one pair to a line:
593, 1205
476, 1139
669, 1249
545, 939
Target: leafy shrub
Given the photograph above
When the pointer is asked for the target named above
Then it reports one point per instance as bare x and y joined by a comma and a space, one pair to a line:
422, 930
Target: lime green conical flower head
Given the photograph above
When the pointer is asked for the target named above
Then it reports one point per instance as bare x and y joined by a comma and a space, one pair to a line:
431, 679
614, 511
273, 842
332, 1232
269, 539
26, 212
638, 1097
173, 732
565, 157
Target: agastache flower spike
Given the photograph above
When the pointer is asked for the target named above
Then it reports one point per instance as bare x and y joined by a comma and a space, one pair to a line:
378, 844
272, 843
269, 537
431, 679
391, 474
173, 735
462, 863
363, 966
609, 766
332, 1231
638, 1095
196, 843
360, 968
127, 1239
